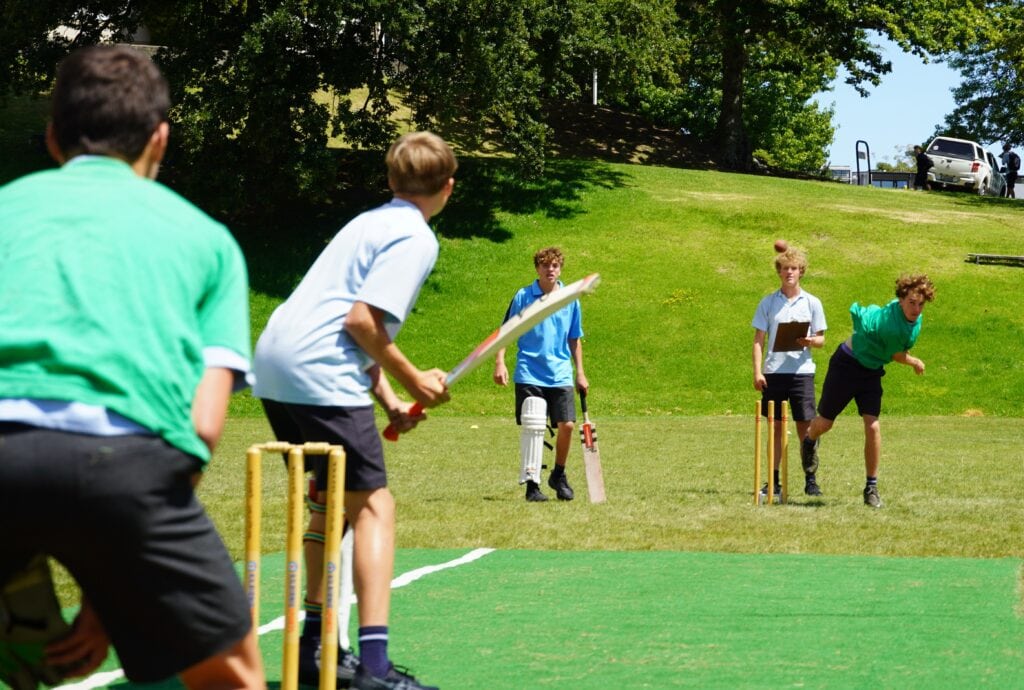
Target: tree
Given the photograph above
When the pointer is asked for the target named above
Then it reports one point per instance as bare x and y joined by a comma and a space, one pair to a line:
990, 100
815, 36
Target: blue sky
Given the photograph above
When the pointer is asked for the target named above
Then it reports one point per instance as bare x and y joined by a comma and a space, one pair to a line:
902, 111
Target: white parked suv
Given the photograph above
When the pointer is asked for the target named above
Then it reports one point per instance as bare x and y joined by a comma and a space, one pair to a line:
961, 163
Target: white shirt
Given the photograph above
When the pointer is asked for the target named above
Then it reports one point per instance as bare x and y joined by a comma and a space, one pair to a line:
776, 308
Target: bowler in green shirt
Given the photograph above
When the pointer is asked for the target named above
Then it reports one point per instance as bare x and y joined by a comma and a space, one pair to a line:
880, 335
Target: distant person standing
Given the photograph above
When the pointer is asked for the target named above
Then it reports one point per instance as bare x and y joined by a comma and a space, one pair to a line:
1011, 166
924, 164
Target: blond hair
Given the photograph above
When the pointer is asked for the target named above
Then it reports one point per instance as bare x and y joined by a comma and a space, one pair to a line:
420, 163
791, 257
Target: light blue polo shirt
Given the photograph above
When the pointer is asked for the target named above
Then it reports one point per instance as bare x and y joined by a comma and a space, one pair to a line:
776, 308
544, 358
304, 356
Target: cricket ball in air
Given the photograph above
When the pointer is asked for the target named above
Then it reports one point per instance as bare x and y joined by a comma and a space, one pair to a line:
781, 245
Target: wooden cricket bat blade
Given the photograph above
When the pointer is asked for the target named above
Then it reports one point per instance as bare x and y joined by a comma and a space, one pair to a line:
592, 466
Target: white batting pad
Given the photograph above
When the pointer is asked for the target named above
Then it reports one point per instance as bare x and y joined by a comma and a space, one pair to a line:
534, 418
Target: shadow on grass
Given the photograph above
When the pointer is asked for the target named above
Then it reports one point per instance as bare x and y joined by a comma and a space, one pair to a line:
281, 246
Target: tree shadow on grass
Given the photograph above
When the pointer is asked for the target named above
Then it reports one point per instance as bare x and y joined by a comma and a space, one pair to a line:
280, 246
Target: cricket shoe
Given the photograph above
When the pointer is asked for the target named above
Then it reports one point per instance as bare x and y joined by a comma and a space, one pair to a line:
560, 484
809, 455
811, 487
533, 493
395, 679
762, 496
309, 664
871, 497
30, 619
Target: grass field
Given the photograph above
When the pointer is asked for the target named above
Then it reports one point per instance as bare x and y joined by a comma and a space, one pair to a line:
685, 256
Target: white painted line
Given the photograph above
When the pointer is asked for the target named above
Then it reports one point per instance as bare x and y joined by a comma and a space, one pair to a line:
98, 680
104, 679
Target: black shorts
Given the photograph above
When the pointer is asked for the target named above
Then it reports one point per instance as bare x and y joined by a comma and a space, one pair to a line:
796, 389
353, 428
846, 380
561, 404
120, 514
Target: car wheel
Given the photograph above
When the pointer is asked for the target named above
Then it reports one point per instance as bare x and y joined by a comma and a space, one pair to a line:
983, 188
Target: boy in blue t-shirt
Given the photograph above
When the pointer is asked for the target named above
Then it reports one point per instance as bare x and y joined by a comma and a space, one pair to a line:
544, 367
880, 335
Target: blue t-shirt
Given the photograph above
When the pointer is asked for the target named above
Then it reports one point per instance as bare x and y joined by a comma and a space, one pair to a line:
305, 356
544, 358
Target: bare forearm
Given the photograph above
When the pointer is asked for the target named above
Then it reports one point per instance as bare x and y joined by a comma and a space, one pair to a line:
210, 404
367, 330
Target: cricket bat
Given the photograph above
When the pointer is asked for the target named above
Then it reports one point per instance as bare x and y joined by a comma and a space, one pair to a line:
511, 330
591, 455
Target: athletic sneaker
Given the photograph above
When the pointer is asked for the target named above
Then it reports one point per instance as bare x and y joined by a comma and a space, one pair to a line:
560, 484
309, 663
533, 493
809, 455
30, 619
394, 680
811, 487
763, 495
871, 497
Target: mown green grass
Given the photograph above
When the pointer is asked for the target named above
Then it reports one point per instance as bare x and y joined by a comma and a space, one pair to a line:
685, 256
951, 488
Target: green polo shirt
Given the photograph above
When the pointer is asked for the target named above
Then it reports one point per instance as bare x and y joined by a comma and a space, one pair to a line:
112, 287
881, 332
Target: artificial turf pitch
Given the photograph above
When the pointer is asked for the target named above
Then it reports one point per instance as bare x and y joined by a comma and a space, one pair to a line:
533, 619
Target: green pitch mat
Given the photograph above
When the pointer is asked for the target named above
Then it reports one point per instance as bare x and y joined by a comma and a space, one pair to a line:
530, 619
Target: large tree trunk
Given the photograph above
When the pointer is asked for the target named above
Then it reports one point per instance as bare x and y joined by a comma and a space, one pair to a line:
732, 141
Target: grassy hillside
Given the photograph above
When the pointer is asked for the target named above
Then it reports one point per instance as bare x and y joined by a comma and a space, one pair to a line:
685, 256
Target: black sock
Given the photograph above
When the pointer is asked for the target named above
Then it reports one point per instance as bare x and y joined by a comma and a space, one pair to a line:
776, 477
872, 481
559, 470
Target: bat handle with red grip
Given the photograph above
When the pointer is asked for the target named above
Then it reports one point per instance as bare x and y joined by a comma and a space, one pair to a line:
391, 432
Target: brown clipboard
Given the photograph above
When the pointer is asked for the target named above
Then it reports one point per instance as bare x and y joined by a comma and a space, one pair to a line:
787, 335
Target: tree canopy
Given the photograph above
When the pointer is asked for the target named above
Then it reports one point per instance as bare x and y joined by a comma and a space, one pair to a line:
990, 100
260, 86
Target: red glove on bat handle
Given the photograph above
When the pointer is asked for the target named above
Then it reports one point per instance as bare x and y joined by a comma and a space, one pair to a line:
391, 432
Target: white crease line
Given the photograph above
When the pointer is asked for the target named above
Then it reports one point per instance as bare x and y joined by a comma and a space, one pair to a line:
100, 680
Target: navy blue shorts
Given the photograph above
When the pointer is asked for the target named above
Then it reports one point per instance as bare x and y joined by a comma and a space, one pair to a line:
846, 380
121, 515
560, 400
353, 428
796, 389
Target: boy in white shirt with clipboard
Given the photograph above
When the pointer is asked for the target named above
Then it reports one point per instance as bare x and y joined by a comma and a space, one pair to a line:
787, 323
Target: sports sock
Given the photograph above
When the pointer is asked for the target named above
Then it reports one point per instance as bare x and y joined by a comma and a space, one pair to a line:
311, 626
558, 470
373, 649
776, 477
872, 481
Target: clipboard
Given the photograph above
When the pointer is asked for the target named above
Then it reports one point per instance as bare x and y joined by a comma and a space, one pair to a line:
787, 335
